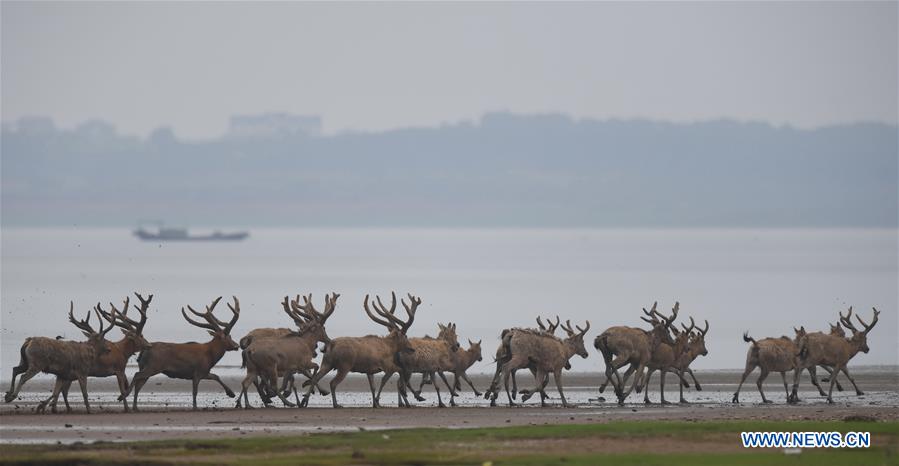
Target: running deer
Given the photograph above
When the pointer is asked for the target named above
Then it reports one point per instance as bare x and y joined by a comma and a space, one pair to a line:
370, 354
431, 356
255, 335
67, 360
634, 346
833, 351
114, 362
191, 361
548, 355
770, 355
503, 355
462, 361
269, 358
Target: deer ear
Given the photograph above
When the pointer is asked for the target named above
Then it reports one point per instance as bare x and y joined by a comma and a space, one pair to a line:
802, 328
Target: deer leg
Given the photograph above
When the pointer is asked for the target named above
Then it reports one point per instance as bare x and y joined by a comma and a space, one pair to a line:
612, 368
649, 372
470, 384
746, 372
244, 385
445, 382
557, 375
760, 381
814, 377
82, 381
783, 376
695, 382
408, 384
196, 385
273, 382
440, 403
266, 399
680, 375
21, 368
376, 401
794, 395
514, 383
308, 375
851, 380
65, 396
228, 391
371, 385
836, 370
402, 397
515, 362
137, 382
31, 372
341, 374
57, 387
638, 374
831, 374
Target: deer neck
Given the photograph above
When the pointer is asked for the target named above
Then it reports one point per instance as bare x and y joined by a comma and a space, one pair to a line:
570, 348
215, 349
126, 345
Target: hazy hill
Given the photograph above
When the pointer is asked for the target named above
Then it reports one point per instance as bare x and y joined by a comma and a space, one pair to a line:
506, 170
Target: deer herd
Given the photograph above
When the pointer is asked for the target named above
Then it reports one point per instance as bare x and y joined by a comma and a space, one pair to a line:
274, 357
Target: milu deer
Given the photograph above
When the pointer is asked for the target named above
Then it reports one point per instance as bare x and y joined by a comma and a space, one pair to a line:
370, 354
294, 311
269, 358
67, 360
833, 351
462, 361
503, 355
695, 348
549, 355
634, 346
431, 356
663, 359
114, 361
770, 355
191, 361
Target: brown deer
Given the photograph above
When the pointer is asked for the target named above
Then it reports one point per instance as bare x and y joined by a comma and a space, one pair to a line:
462, 360
114, 362
770, 355
67, 360
269, 358
663, 359
191, 361
370, 354
431, 356
290, 308
503, 355
695, 348
549, 355
634, 346
833, 351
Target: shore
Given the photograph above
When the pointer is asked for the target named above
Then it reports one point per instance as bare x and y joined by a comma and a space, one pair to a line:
166, 410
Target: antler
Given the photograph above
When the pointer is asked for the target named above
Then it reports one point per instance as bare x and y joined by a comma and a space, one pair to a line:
292, 310
85, 326
386, 323
846, 319
567, 328
235, 310
551, 327
540, 324
583, 330
211, 322
706, 330
692, 325
668, 320
873, 322
142, 310
410, 311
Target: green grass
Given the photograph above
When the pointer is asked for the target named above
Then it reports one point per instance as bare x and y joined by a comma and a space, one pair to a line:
569, 444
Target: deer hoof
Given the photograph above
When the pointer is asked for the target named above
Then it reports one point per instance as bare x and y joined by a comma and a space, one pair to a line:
477, 393
735, 399
859, 393
646, 401
684, 402
665, 402
698, 388
829, 401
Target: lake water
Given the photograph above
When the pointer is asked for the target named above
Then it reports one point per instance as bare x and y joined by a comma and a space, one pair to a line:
763, 281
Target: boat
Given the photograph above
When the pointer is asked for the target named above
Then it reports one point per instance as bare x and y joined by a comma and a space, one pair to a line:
181, 234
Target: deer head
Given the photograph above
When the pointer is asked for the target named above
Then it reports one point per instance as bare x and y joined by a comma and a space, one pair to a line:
448, 334
132, 329
218, 329
308, 319
474, 349
859, 337
395, 325
576, 338
97, 338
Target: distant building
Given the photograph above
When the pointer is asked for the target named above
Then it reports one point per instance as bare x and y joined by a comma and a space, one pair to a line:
270, 125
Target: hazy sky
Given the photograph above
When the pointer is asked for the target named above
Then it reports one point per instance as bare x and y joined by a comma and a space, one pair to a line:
381, 66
